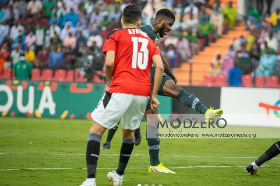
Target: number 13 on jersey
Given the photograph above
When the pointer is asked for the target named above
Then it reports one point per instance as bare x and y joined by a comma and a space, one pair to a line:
140, 57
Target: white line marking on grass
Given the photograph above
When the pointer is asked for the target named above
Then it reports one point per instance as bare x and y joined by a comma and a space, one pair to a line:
174, 156
47, 168
136, 168
9, 169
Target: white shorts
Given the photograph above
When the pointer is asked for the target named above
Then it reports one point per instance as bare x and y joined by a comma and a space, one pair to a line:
115, 106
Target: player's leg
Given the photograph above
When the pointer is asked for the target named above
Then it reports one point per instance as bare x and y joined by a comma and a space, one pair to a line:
137, 135
188, 99
131, 121
107, 113
111, 133
154, 142
273, 151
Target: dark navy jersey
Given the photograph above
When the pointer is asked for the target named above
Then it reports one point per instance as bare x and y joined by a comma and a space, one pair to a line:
150, 31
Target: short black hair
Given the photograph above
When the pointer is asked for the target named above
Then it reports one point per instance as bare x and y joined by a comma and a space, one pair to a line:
131, 14
166, 13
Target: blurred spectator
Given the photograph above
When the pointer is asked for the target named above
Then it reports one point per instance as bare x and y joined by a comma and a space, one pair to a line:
72, 17
34, 7
266, 65
22, 7
30, 56
227, 62
276, 68
95, 38
66, 30
271, 42
244, 59
238, 43
20, 35
203, 16
47, 41
192, 22
95, 17
40, 38
253, 17
205, 29
23, 69
115, 15
105, 21
80, 40
274, 20
15, 55
70, 41
55, 42
113, 25
4, 57
192, 38
255, 54
216, 19
48, 6
55, 58
184, 50
172, 55
54, 30
81, 54
88, 68
16, 29
230, 14
216, 64
4, 31
250, 40
71, 4
69, 59
234, 76
56, 18
191, 8
83, 20
20, 43
264, 34
43, 58
30, 39
88, 6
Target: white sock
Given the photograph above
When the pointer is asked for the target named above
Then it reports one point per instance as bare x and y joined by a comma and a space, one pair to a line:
255, 167
91, 180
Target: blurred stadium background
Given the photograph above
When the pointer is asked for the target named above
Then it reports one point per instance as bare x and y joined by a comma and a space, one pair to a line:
225, 52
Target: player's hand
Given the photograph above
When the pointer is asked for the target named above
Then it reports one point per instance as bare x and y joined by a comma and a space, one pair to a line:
108, 81
154, 103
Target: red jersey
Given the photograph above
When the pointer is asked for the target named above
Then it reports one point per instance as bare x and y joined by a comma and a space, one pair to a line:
132, 65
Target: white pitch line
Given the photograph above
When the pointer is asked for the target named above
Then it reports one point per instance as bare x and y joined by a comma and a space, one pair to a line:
136, 168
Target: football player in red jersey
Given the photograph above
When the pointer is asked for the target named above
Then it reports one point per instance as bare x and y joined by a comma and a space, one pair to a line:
130, 54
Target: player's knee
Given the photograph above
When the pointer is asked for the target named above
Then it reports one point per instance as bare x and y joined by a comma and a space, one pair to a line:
171, 88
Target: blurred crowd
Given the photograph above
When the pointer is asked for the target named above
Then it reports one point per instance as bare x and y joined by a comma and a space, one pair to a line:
69, 34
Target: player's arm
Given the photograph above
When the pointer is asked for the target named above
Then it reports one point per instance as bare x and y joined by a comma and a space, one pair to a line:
167, 68
109, 65
157, 62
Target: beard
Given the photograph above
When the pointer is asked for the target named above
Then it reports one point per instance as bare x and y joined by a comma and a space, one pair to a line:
161, 30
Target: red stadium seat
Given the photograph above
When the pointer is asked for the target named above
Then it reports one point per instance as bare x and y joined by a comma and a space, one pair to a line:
80, 78
247, 80
96, 79
220, 80
6, 74
47, 74
70, 75
272, 81
35, 74
259, 81
207, 81
59, 75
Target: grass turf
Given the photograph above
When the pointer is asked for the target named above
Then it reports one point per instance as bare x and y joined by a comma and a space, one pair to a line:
32, 145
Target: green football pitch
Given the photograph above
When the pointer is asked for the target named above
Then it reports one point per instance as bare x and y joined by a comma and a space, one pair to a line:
51, 152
